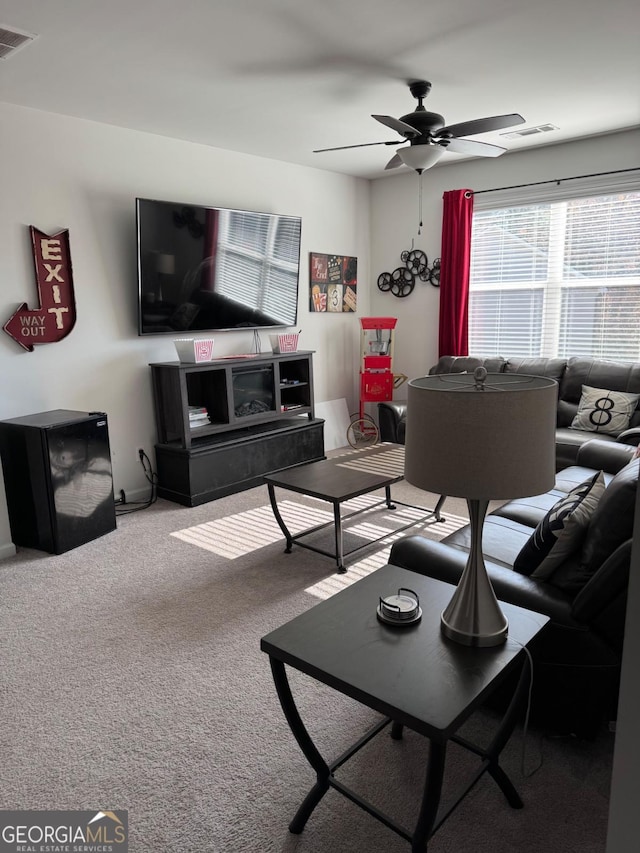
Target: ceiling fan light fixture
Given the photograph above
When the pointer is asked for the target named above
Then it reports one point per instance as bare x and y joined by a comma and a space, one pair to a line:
421, 157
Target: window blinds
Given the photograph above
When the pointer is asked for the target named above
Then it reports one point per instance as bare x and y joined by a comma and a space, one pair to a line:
557, 278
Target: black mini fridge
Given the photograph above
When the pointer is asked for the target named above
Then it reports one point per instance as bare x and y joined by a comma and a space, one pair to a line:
57, 477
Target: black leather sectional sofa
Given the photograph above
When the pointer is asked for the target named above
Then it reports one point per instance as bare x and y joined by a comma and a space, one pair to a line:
577, 656
570, 374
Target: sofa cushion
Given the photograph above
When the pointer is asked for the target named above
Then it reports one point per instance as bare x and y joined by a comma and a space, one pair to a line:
502, 539
530, 511
603, 411
598, 373
610, 526
562, 530
467, 364
552, 368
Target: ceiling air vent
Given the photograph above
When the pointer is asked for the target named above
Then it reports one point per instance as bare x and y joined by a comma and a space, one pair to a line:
529, 131
12, 40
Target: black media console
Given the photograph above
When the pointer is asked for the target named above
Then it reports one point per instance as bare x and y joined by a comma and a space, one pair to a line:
224, 424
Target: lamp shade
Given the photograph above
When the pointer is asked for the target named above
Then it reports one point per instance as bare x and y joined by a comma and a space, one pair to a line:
166, 264
420, 157
481, 439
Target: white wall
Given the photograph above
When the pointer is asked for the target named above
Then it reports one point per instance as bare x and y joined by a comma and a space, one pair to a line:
394, 225
60, 172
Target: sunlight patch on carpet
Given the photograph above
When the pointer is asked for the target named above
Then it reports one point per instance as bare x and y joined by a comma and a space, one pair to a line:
389, 462
355, 571
237, 535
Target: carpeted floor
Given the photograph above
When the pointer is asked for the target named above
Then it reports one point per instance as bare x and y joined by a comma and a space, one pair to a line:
132, 679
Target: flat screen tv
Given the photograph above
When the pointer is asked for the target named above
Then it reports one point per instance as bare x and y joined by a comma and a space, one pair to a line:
207, 269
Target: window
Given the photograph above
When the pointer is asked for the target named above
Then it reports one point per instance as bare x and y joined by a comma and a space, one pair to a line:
560, 278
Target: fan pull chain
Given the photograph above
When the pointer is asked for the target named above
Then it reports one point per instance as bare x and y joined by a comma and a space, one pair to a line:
419, 204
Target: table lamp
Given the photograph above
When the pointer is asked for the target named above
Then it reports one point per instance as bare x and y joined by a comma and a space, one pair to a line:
481, 437
166, 268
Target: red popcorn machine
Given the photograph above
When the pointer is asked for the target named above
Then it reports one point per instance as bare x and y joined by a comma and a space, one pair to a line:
377, 379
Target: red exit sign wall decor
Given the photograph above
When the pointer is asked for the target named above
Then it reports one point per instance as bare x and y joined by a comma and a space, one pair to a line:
56, 315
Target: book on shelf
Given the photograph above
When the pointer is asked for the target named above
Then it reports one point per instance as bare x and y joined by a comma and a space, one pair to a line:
198, 416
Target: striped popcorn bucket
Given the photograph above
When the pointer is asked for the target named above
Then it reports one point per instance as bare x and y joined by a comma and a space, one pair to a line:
284, 343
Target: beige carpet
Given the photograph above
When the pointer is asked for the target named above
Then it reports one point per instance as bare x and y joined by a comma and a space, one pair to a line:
132, 678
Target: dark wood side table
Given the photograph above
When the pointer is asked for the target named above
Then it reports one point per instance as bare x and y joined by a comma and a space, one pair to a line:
341, 643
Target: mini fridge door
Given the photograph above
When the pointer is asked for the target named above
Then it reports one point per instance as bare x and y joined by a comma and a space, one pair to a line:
81, 482
58, 481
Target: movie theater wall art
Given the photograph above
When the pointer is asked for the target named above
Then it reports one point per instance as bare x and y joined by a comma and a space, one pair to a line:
333, 283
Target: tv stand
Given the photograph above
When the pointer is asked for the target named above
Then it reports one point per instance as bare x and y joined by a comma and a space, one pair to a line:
223, 424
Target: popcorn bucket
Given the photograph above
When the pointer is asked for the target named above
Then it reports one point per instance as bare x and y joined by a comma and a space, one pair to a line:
194, 350
284, 343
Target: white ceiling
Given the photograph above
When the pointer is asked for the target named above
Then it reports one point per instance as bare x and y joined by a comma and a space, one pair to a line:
279, 78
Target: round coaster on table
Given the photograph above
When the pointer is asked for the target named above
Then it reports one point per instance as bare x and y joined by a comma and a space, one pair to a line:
400, 609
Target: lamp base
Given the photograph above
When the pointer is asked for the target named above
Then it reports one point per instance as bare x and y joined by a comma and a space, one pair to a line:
476, 640
473, 616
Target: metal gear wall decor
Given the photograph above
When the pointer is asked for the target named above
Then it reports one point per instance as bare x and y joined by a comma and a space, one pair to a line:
434, 275
402, 280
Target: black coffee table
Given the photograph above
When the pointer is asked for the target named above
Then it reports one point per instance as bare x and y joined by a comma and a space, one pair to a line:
413, 675
340, 479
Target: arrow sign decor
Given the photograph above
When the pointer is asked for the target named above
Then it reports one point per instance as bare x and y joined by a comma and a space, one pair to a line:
56, 316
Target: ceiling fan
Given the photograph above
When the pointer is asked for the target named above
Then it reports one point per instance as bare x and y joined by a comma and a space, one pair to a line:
429, 137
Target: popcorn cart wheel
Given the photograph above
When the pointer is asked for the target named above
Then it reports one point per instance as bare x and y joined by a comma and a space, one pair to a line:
362, 431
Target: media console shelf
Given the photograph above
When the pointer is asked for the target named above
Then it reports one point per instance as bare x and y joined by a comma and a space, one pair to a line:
223, 424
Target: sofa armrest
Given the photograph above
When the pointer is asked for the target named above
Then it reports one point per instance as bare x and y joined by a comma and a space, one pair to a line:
391, 421
446, 563
610, 581
609, 456
630, 436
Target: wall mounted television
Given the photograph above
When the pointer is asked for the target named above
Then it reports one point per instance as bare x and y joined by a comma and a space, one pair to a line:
208, 269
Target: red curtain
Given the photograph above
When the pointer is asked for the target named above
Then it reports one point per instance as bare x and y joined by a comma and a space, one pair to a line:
455, 256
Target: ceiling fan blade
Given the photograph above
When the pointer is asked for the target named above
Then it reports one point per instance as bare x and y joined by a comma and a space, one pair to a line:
395, 161
481, 125
476, 149
395, 124
360, 145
